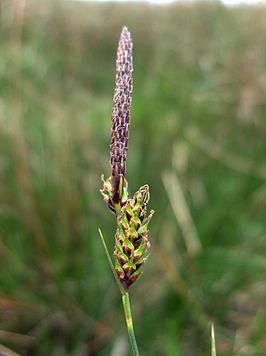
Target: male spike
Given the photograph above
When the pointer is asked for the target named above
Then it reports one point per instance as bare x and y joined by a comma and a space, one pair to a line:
114, 188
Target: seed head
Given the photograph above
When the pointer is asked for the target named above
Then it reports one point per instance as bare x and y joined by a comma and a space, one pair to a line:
132, 244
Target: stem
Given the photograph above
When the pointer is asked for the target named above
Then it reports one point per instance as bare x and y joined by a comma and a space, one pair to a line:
213, 349
126, 301
129, 321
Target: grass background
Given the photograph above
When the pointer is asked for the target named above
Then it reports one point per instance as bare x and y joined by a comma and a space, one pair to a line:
197, 137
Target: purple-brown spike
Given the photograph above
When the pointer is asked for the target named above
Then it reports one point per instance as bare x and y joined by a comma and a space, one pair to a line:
121, 113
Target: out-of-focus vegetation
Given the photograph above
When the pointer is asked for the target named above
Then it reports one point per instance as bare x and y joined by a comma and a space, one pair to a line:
198, 138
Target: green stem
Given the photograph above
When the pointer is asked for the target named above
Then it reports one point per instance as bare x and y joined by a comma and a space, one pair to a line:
213, 349
129, 321
126, 301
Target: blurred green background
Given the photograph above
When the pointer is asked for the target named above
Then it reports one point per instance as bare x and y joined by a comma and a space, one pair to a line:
197, 137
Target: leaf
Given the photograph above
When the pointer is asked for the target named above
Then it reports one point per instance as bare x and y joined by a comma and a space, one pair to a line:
110, 262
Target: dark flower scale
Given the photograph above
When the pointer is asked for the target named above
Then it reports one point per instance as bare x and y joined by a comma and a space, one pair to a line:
121, 113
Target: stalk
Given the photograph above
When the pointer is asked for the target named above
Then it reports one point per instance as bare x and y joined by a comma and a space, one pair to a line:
129, 321
131, 237
213, 347
125, 300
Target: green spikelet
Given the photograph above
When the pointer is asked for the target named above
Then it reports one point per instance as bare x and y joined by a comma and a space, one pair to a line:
132, 244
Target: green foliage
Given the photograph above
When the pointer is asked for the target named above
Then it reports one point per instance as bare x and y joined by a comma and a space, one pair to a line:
198, 137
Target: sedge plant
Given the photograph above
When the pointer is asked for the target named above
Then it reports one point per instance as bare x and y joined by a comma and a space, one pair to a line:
131, 238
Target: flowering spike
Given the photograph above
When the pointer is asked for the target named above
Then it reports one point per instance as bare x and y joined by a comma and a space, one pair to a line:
115, 187
121, 112
131, 238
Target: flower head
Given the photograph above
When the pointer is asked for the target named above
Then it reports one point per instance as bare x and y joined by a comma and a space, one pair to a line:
131, 238
132, 244
121, 112
115, 188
